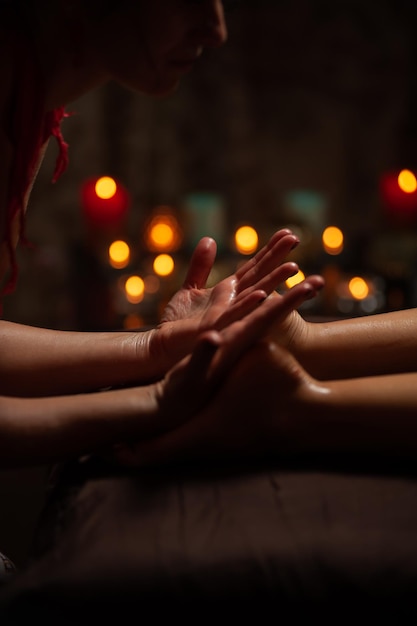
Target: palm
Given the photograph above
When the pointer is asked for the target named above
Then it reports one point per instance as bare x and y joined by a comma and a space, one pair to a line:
195, 308
201, 405
203, 306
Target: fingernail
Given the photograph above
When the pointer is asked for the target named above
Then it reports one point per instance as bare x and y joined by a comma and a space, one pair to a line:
295, 244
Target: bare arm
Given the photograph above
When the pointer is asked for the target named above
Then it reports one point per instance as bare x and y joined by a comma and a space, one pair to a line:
369, 416
270, 404
39, 362
363, 346
41, 430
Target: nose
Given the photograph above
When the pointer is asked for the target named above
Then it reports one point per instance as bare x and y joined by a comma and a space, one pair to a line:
213, 24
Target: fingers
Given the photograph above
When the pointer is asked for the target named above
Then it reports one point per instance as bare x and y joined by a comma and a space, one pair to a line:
271, 281
277, 236
202, 355
212, 360
240, 309
204, 255
267, 260
195, 436
193, 371
201, 263
316, 282
305, 290
239, 336
273, 310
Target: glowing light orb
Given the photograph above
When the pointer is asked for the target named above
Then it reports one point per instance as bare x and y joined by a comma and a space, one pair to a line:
162, 235
294, 280
358, 288
246, 240
332, 238
407, 182
163, 232
134, 289
119, 254
104, 202
163, 265
106, 187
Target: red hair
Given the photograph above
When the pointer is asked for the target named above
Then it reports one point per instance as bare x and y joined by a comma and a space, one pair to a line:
28, 128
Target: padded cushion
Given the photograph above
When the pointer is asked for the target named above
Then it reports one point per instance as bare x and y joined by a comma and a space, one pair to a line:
222, 540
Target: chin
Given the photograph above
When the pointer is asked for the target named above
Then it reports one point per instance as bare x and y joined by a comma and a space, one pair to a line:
158, 87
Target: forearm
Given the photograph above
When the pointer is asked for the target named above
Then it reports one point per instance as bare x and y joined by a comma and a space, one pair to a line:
370, 416
43, 430
365, 346
40, 362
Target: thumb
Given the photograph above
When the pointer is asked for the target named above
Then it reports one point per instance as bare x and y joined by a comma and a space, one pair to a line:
201, 263
189, 383
202, 356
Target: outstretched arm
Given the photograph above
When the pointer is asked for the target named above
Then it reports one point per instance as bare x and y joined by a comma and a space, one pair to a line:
270, 405
364, 346
42, 430
371, 416
40, 362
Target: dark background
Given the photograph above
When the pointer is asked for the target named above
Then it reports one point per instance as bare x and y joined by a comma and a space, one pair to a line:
306, 95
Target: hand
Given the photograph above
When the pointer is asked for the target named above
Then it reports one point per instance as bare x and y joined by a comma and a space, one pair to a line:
294, 332
195, 308
218, 415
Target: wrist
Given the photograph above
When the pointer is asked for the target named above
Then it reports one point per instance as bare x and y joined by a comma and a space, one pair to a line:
296, 335
134, 411
147, 358
308, 345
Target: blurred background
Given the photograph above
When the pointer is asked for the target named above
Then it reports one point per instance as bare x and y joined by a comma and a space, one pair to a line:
305, 118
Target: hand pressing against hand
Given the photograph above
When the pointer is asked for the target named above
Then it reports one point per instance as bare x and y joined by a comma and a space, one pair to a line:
212, 400
196, 308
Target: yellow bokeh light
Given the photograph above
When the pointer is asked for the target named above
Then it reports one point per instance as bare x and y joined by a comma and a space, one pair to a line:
358, 288
106, 187
134, 288
294, 280
119, 254
163, 232
407, 182
246, 240
162, 235
332, 240
163, 265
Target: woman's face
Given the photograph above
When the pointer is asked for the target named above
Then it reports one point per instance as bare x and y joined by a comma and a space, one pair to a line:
148, 45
